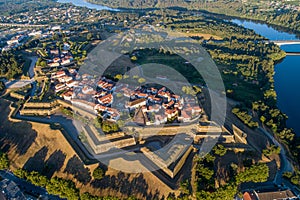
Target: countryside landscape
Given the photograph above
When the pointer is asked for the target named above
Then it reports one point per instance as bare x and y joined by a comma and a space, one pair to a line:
154, 99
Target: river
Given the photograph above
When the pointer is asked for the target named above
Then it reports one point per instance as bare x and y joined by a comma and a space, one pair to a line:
83, 3
287, 72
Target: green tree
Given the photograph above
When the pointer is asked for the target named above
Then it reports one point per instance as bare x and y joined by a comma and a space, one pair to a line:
2, 86
89, 36
4, 161
184, 187
256, 173
204, 172
133, 58
97, 122
43, 63
142, 80
271, 150
188, 90
219, 150
119, 76
63, 188
21, 173
98, 173
37, 179
119, 95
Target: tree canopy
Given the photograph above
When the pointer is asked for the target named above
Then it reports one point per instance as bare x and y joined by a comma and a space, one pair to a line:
256, 173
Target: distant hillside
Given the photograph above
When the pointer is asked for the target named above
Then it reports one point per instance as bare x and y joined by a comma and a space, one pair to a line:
9, 7
142, 4
284, 14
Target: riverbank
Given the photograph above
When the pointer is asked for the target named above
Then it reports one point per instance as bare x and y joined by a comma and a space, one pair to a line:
83, 3
222, 14
279, 27
286, 72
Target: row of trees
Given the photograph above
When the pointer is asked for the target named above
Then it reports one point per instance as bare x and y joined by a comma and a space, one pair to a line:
271, 150
245, 117
56, 186
106, 126
185, 21
293, 177
62, 187
2, 86
4, 161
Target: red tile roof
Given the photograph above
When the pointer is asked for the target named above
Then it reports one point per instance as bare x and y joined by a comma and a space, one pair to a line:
107, 99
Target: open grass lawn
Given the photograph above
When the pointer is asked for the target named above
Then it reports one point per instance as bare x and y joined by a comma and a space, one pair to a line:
170, 61
205, 36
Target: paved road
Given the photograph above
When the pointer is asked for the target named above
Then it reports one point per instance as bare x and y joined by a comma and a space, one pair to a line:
32, 65
26, 186
14, 84
22, 25
285, 164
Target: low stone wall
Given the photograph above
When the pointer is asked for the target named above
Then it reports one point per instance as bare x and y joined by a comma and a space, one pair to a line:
171, 173
41, 104
181, 162
17, 96
221, 138
153, 158
104, 137
77, 109
107, 145
40, 108
49, 111
239, 135
209, 129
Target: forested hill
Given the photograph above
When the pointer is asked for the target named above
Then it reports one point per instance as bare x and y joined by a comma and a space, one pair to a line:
9, 7
283, 14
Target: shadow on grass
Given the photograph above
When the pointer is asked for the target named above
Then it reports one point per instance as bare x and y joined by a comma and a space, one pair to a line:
19, 135
76, 167
125, 185
54, 163
37, 161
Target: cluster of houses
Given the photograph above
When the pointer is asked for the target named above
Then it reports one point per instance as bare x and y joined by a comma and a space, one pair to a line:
15, 41
61, 13
60, 57
21, 36
154, 106
85, 92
